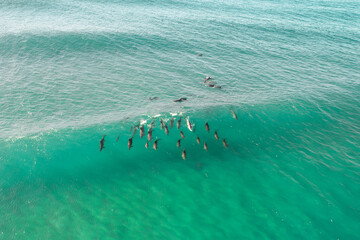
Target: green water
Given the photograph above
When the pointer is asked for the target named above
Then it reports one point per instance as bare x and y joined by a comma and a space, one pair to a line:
73, 71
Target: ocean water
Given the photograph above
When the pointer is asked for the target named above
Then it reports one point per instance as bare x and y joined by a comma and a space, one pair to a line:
72, 71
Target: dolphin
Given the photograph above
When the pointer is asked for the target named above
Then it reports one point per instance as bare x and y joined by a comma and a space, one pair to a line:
198, 140
149, 135
234, 114
166, 130
207, 79
207, 128
224, 143
180, 99
153, 98
102, 142
162, 124
210, 84
216, 135
171, 124
155, 144
184, 154
117, 138
152, 124
135, 128
182, 134
188, 123
130, 143
178, 143
142, 131
179, 123
205, 146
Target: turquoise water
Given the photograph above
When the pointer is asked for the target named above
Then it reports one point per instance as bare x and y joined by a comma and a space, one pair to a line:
73, 71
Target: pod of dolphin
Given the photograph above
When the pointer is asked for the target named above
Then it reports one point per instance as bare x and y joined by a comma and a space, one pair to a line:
163, 125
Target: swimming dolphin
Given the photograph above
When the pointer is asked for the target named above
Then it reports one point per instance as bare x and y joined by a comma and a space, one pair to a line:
102, 142
182, 134
178, 143
166, 129
130, 143
207, 128
142, 131
216, 135
147, 144
153, 98
198, 140
179, 123
188, 123
207, 79
155, 144
149, 135
117, 138
135, 128
210, 84
171, 124
152, 124
234, 114
162, 124
224, 143
205, 146
180, 99
184, 154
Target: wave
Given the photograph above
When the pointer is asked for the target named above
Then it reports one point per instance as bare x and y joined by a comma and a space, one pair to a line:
53, 44
257, 128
